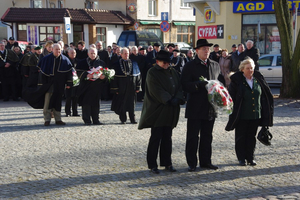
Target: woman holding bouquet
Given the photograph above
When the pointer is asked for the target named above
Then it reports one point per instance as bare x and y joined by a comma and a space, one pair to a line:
253, 107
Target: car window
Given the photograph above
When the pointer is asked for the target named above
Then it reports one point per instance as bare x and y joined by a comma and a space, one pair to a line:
122, 40
265, 61
131, 39
279, 61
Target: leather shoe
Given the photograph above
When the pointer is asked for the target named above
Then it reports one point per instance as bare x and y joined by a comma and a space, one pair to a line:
76, 115
123, 122
68, 115
134, 122
191, 169
98, 123
209, 166
155, 170
60, 123
242, 163
170, 168
251, 162
47, 123
87, 123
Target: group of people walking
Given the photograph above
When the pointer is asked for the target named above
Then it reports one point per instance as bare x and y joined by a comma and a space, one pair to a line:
164, 80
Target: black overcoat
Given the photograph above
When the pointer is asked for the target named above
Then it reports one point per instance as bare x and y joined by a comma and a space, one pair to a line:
197, 100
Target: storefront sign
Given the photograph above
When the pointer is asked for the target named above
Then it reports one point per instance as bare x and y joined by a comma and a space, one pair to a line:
259, 6
209, 16
211, 32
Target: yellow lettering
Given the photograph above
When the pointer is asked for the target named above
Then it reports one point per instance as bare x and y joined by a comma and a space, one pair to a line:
296, 4
272, 5
290, 4
260, 6
240, 7
250, 6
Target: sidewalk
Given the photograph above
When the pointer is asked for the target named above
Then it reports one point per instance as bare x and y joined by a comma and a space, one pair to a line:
109, 161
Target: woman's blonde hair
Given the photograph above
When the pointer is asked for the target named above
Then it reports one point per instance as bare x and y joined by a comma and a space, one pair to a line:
246, 62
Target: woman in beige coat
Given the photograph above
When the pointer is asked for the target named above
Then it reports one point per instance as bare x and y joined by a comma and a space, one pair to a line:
225, 65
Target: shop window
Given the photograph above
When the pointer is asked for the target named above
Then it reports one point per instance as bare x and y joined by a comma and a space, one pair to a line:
101, 35
184, 5
152, 8
22, 32
263, 31
36, 4
186, 34
50, 33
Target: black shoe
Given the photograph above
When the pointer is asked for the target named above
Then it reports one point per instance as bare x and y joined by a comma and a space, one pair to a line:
242, 163
155, 171
87, 123
16, 99
5, 99
170, 168
191, 169
68, 115
209, 166
98, 123
76, 115
134, 122
123, 122
251, 162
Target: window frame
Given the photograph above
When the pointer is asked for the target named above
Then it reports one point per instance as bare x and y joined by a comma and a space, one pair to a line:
99, 36
184, 5
32, 3
154, 8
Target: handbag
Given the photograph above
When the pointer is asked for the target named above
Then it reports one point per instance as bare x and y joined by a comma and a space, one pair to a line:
264, 136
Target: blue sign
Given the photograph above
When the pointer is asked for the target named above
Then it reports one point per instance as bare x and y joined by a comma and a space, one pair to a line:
165, 26
164, 16
259, 6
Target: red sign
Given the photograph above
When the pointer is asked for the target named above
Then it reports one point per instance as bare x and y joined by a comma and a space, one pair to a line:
211, 32
165, 26
136, 25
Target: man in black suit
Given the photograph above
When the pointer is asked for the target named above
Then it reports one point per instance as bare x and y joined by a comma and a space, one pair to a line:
252, 52
199, 112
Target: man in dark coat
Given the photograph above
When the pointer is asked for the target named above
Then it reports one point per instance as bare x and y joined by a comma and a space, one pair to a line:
8, 72
56, 72
199, 112
237, 57
89, 91
252, 52
216, 54
103, 54
161, 109
141, 61
70, 94
125, 85
33, 75
177, 61
81, 51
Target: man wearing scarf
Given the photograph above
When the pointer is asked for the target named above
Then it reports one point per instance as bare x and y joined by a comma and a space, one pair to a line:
8, 72
89, 92
56, 71
125, 85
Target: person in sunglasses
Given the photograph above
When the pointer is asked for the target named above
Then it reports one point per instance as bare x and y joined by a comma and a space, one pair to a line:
163, 96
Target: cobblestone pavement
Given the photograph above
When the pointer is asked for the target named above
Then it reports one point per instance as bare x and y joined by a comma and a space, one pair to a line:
109, 161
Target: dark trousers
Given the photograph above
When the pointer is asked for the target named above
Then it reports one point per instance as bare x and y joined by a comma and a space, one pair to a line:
123, 117
89, 111
161, 138
205, 127
9, 87
71, 101
245, 140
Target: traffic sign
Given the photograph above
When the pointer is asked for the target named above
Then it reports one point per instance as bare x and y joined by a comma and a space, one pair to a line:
165, 26
136, 25
164, 16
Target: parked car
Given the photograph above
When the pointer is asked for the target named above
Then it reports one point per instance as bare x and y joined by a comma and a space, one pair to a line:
182, 46
270, 65
138, 38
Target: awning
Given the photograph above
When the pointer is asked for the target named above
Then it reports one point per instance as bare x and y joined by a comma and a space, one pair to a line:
185, 23
150, 22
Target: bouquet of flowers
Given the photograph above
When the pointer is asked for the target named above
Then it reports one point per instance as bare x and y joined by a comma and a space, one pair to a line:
76, 80
218, 96
97, 72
